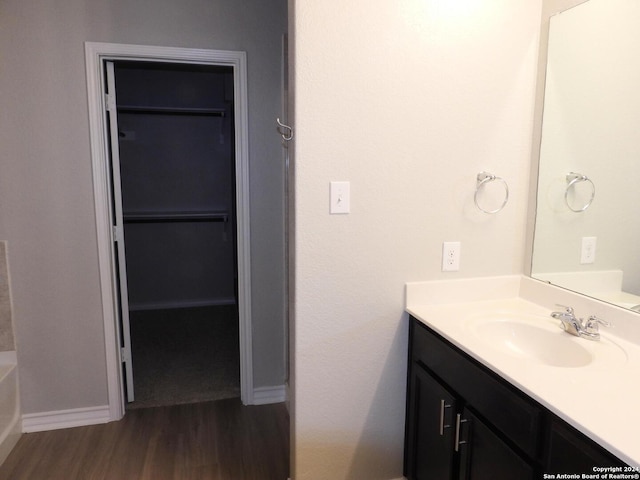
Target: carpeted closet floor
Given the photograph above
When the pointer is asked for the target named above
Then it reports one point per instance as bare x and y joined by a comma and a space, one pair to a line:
185, 355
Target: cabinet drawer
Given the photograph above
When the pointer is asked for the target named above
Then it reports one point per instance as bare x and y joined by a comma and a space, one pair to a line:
516, 416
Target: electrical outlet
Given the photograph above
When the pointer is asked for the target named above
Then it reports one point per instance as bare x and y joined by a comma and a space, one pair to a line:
588, 252
450, 256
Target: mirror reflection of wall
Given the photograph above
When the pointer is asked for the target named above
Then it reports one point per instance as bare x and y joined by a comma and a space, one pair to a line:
591, 125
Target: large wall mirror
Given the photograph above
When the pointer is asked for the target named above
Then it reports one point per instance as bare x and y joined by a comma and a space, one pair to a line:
587, 222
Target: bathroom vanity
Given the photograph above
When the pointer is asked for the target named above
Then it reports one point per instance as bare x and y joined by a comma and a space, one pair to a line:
497, 390
464, 421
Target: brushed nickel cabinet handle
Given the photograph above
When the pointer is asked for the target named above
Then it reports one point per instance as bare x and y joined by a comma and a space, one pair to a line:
443, 405
459, 442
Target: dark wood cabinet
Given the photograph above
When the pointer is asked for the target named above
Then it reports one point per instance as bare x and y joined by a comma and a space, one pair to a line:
465, 422
430, 444
572, 452
485, 456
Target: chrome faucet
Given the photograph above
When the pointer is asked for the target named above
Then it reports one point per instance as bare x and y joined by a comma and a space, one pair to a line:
569, 322
576, 326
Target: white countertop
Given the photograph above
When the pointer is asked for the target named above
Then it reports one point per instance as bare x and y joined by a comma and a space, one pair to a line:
598, 399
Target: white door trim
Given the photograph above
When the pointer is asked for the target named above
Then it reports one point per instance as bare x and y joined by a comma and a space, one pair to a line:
95, 54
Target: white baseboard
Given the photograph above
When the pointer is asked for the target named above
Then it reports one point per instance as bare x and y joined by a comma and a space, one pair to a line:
265, 395
80, 417
77, 417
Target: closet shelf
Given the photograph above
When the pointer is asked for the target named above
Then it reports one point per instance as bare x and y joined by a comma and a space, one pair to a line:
212, 112
154, 217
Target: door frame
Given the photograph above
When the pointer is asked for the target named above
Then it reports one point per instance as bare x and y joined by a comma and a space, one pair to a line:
95, 55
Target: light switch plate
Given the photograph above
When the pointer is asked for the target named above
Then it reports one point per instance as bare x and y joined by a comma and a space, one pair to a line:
340, 201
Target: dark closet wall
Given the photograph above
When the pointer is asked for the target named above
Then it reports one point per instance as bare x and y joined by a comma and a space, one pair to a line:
177, 175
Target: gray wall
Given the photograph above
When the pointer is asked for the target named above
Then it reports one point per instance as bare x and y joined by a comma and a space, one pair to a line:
46, 196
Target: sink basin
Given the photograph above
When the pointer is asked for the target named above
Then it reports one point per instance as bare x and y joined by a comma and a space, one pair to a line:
541, 340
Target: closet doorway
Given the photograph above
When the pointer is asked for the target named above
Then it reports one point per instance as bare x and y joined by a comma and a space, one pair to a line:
174, 200
172, 214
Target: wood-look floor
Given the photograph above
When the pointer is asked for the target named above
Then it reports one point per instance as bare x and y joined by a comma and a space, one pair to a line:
220, 440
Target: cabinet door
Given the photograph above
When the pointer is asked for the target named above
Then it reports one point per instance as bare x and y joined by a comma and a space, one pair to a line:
430, 429
484, 456
572, 452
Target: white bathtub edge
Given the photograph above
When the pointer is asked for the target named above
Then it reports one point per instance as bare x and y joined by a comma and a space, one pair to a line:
10, 432
9, 442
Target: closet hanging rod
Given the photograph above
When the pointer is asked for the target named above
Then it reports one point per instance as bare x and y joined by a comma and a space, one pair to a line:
211, 112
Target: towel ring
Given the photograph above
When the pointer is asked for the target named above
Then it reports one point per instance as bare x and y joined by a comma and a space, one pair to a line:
285, 136
572, 179
482, 179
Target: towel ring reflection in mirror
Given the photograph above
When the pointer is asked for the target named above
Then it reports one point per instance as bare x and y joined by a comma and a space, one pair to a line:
574, 178
483, 179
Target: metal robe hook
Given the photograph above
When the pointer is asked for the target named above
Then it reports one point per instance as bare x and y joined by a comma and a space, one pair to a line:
286, 137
